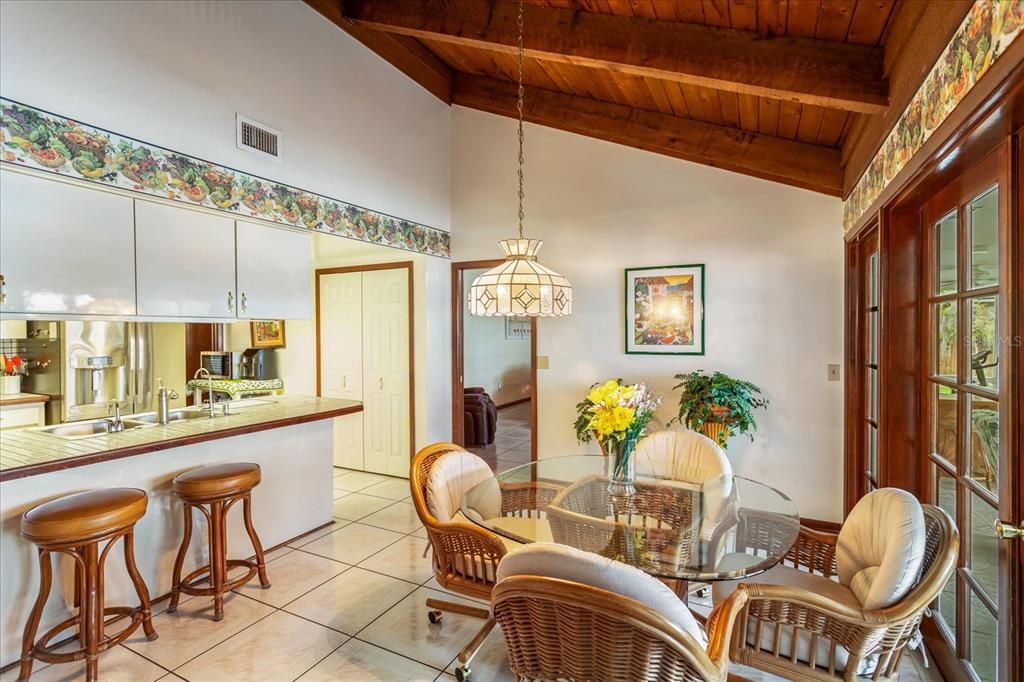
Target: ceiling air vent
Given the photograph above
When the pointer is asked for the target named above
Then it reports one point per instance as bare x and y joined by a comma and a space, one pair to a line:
258, 138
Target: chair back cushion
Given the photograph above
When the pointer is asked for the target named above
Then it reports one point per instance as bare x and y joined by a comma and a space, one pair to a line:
451, 475
881, 546
681, 455
568, 563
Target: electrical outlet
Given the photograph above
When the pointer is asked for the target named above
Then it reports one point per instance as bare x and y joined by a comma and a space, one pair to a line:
833, 372
542, 362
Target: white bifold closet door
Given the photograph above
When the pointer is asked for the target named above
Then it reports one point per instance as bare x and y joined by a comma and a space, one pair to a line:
386, 371
364, 355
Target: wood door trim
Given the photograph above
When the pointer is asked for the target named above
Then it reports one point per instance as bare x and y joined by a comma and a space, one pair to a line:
458, 435
407, 265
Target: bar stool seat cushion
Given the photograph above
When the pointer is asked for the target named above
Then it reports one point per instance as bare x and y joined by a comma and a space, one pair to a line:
82, 516
217, 480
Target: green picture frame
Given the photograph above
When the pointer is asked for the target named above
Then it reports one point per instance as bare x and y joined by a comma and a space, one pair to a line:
664, 310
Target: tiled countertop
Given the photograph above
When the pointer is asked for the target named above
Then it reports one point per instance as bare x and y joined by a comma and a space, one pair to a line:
26, 452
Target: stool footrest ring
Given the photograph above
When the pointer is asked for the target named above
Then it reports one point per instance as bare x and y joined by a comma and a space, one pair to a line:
188, 583
45, 652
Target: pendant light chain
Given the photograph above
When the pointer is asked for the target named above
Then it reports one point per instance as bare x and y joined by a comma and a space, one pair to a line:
519, 105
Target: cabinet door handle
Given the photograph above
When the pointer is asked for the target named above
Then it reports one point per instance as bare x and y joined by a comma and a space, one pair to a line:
380, 383
231, 302
344, 381
3, 290
244, 302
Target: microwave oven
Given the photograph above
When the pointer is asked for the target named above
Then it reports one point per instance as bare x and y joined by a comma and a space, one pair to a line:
218, 363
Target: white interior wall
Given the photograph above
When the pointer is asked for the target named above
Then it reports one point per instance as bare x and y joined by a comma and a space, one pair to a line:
499, 364
175, 73
774, 268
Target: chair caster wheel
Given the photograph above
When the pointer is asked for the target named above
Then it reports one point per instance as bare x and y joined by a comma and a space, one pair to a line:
462, 674
434, 616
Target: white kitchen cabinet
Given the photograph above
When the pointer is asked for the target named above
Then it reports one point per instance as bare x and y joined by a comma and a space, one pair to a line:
274, 270
22, 416
185, 262
65, 249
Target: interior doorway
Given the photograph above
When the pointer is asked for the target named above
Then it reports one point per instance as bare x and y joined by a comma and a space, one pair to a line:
494, 378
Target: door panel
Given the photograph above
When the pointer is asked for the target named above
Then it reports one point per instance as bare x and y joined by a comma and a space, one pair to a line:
341, 359
185, 262
386, 370
65, 249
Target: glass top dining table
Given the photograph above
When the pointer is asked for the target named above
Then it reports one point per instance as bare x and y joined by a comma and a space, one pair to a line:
723, 529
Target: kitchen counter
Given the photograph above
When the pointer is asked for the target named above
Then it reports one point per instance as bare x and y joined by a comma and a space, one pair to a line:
27, 452
291, 439
22, 399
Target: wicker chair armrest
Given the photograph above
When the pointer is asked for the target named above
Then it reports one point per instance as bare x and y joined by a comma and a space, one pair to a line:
798, 600
527, 496
814, 550
720, 626
464, 537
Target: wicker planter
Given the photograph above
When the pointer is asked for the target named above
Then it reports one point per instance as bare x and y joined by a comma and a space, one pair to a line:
718, 427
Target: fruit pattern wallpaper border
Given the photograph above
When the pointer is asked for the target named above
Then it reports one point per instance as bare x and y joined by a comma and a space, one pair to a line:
987, 30
44, 141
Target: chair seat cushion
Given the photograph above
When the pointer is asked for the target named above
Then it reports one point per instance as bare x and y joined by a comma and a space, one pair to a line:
84, 515
792, 577
568, 563
217, 480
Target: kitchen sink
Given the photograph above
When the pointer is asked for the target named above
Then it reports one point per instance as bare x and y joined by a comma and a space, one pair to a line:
88, 429
174, 416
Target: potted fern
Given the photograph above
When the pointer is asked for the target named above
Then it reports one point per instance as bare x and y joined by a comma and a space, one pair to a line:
718, 405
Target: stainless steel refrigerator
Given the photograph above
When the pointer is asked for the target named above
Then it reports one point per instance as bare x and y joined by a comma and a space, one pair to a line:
94, 363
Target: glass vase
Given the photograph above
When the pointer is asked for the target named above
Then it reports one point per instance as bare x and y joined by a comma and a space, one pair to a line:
621, 466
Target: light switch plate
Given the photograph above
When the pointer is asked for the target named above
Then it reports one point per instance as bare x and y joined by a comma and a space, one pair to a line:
833, 372
542, 362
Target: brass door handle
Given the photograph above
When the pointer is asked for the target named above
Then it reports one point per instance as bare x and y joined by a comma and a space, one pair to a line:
1008, 531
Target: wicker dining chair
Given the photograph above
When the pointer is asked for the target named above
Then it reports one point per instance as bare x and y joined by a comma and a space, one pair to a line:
573, 615
465, 555
839, 634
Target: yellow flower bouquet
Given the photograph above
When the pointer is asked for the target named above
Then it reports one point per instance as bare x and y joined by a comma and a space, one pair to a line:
617, 415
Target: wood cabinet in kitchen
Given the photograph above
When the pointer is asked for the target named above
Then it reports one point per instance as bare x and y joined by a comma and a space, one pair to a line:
65, 249
185, 262
274, 268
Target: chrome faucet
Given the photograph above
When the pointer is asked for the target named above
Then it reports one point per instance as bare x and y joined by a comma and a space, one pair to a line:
115, 425
209, 378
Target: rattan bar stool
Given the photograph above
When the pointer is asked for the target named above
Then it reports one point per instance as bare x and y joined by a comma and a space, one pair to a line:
213, 490
76, 525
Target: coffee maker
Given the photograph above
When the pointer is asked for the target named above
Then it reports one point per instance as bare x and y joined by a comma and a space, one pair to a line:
258, 363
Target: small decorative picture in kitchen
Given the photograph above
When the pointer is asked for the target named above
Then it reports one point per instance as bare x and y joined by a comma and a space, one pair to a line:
268, 334
665, 310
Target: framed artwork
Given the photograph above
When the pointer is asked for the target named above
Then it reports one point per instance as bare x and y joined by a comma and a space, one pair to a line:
267, 334
665, 310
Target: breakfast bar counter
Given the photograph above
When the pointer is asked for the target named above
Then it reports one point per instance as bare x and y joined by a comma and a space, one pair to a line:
291, 438
28, 452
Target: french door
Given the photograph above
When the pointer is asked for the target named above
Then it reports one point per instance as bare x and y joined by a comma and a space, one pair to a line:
968, 466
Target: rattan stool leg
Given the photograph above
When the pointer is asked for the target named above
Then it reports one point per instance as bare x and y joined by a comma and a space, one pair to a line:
140, 586
28, 638
261, 564
217, 555
91, 629
179, 562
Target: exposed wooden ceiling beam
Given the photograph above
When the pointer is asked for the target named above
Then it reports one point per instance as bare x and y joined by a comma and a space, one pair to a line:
831, 74
406, 54
772, 158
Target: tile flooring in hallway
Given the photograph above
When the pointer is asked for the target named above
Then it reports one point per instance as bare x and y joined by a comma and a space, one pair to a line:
511, 446
347, 603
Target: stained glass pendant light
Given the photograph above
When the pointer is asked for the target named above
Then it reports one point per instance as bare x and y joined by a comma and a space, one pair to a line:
520, 286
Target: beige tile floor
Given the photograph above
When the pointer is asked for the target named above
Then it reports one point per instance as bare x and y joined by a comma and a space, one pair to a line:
511, 446
347, 603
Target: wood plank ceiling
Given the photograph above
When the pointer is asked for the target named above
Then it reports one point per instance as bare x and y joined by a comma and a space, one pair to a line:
769, 88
